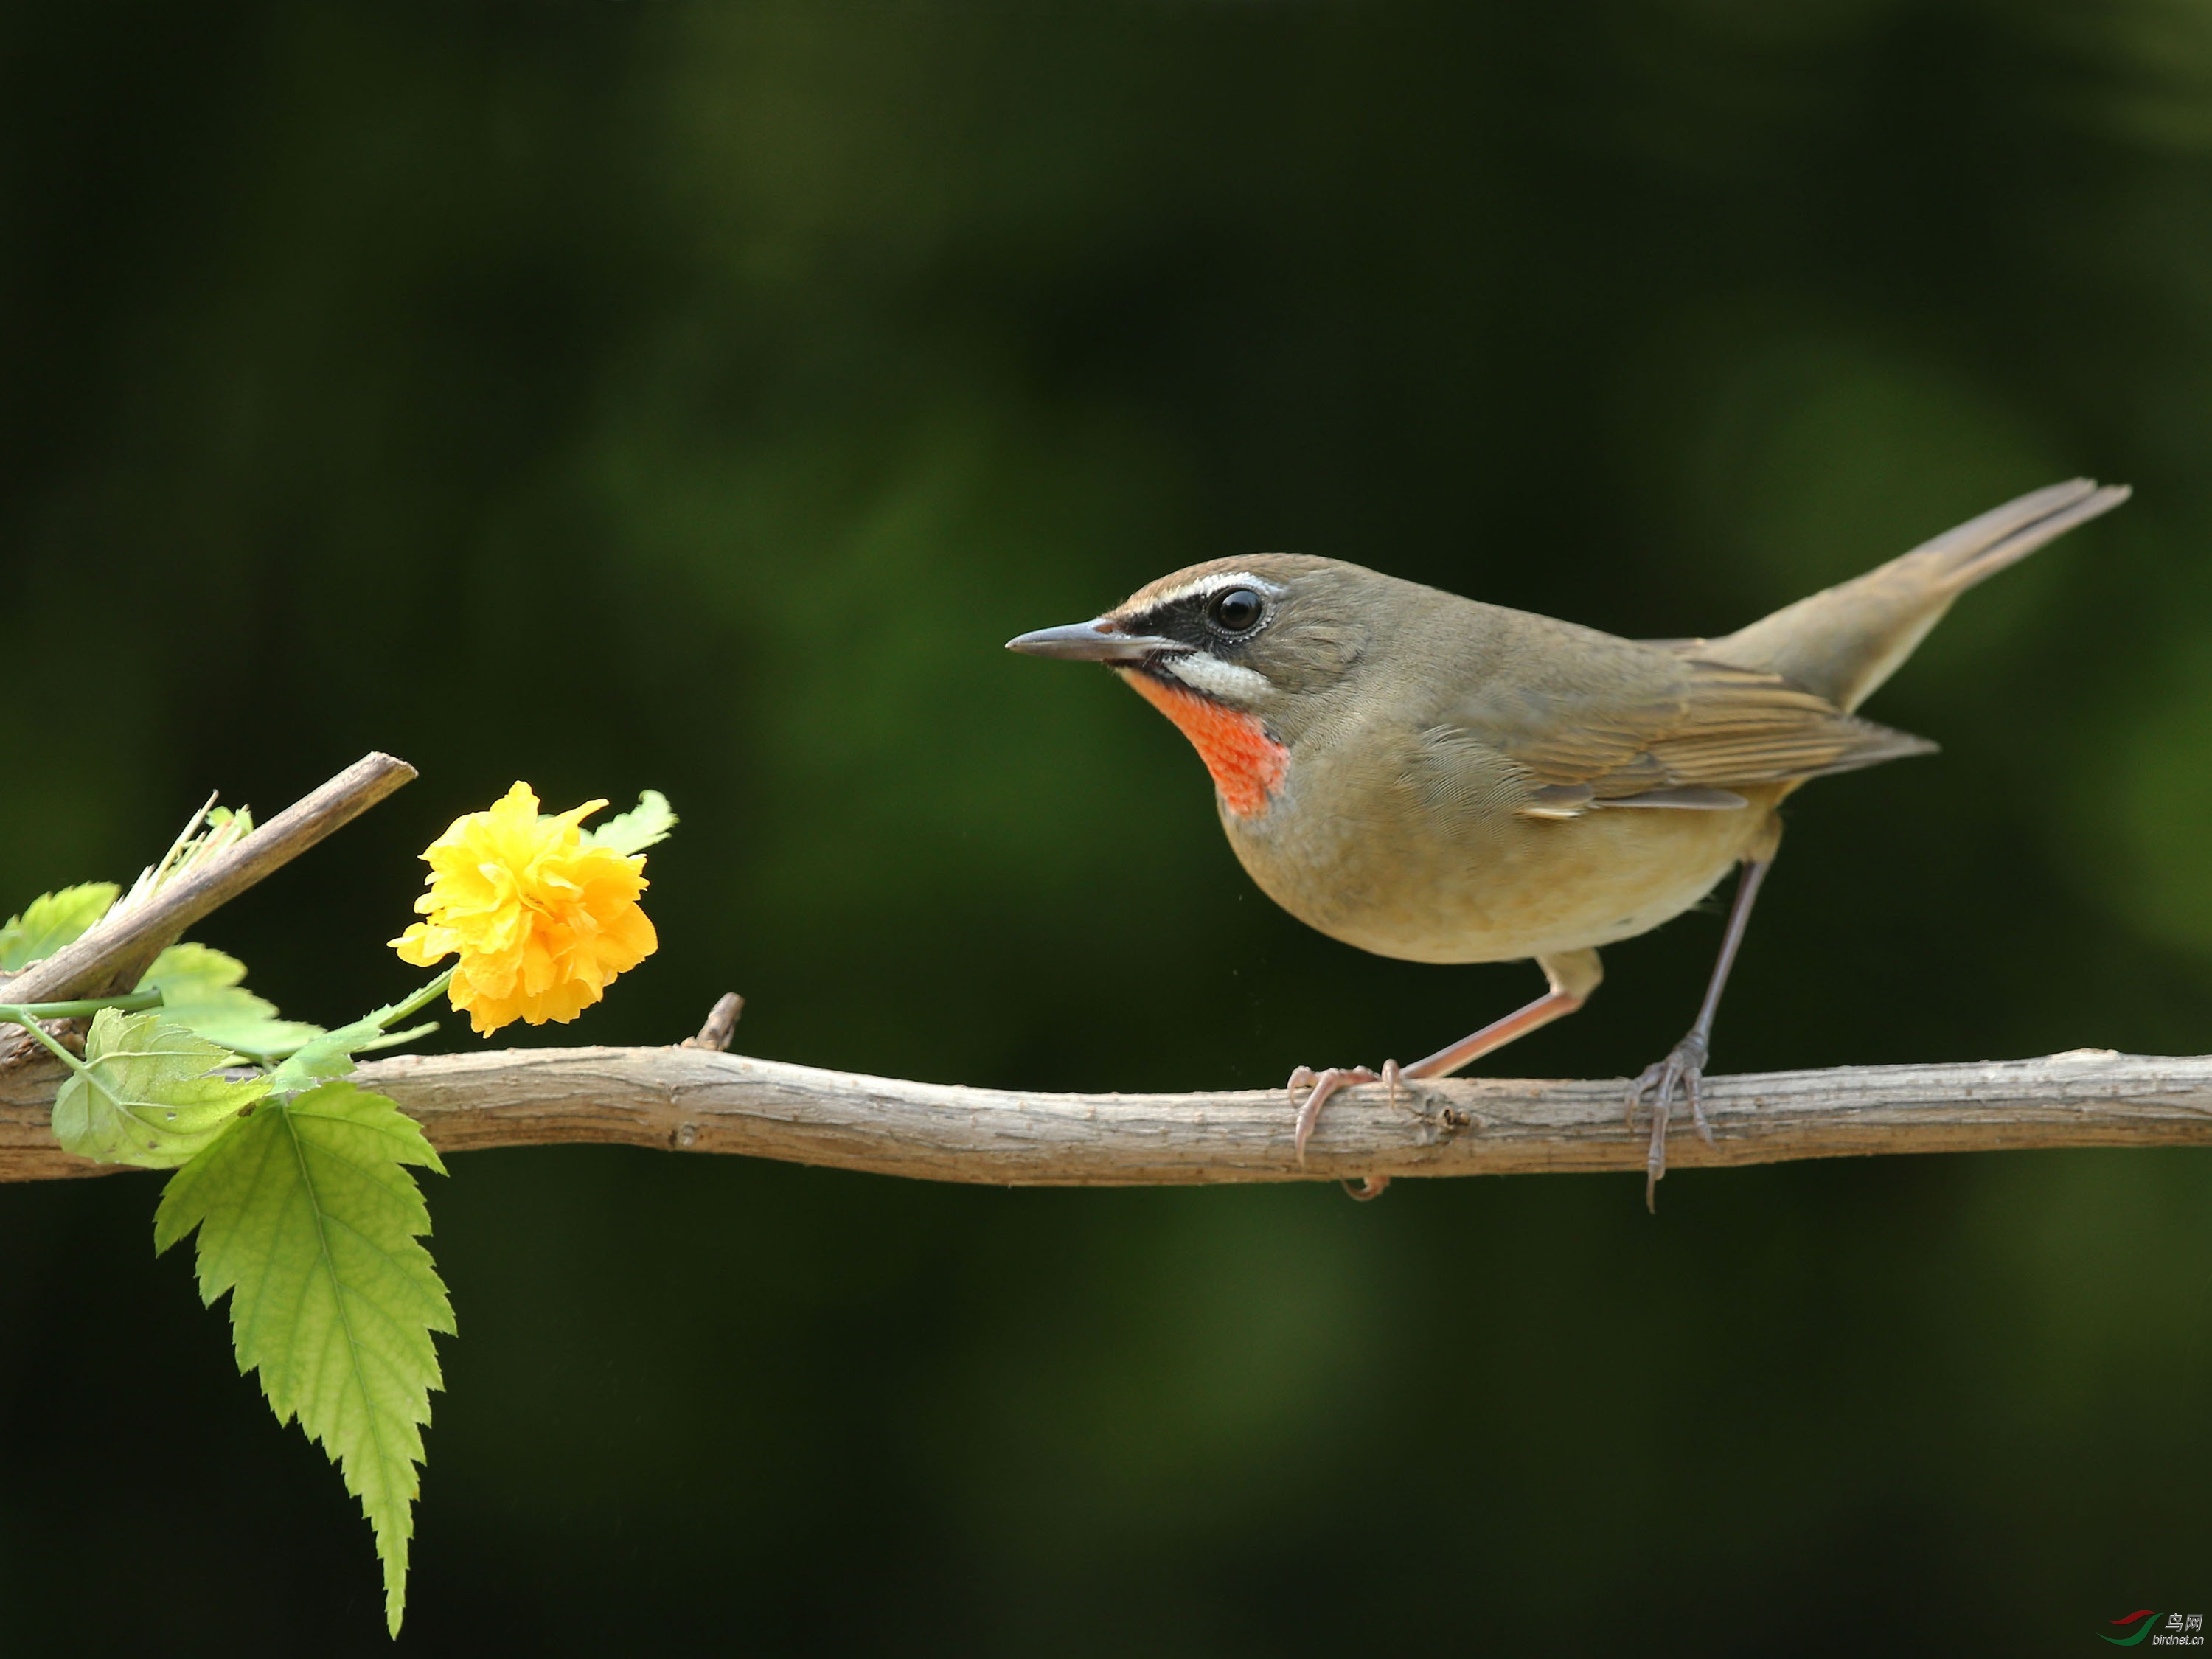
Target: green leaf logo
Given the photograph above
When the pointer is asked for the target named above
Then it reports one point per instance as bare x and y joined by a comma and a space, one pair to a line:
2149, 1618
308, 1217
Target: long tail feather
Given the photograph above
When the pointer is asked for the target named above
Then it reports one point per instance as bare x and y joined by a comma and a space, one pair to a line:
1846, 641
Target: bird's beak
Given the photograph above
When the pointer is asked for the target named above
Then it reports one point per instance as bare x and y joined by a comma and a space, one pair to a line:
1099, 640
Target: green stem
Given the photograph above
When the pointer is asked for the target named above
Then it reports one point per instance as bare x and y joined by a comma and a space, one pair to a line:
44, 1036
29, 1014
386, 1018
428, 993
23, 1012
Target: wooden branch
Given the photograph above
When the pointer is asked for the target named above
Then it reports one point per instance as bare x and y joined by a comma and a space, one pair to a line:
694, 1098
689, 1099
113, 955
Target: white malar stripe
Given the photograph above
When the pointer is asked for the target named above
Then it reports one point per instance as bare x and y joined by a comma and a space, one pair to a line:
1230, 682
1212, 585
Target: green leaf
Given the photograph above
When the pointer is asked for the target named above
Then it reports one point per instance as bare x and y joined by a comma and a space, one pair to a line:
329, 1057
644, 825
309, 1218
52, 920
322, 1059
200, 988
143, 1094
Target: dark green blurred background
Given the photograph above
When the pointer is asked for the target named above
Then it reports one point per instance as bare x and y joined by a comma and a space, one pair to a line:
697, 396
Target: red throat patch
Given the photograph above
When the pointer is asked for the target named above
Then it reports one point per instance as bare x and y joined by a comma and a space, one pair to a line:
1246, 765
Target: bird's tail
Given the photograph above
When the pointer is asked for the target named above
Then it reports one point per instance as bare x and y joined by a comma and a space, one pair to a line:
1846, 641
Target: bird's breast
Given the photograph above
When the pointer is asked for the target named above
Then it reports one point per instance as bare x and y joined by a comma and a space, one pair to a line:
1355, 845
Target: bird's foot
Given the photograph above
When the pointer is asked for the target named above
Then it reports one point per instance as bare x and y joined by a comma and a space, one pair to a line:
1325, 1083
1683, 1069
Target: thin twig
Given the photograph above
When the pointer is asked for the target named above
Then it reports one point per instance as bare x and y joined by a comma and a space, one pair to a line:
112, 956
698, 1100
721, 1023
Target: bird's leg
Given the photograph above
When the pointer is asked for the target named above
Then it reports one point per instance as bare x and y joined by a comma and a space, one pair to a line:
1685, 1064
1573, 976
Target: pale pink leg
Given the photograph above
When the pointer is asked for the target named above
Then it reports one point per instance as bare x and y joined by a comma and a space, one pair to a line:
1495, 1036
1573, 976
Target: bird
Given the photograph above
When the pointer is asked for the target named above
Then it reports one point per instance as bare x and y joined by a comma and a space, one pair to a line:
1438, 780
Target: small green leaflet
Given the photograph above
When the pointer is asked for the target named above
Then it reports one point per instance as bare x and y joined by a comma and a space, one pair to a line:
143, 1096
323, 1057
646, 825
309, 1218
200, 988
52, 920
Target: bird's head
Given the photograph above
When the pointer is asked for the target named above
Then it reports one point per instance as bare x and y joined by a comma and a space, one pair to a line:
1242, 654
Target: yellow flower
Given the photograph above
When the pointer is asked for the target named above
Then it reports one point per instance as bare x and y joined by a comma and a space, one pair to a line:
542, 920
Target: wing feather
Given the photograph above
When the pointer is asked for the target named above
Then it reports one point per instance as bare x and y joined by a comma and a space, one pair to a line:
1672, 721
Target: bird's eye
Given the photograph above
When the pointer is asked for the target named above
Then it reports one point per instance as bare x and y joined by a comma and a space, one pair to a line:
1236, 611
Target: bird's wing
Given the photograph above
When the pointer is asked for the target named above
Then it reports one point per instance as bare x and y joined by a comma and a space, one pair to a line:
1740, 726
1676, 732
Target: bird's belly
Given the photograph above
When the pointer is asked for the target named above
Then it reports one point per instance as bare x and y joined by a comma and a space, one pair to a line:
1510, 888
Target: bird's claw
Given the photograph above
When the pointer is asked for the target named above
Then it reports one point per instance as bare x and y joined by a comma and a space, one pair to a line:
1684, 1069
1325, 1083
1328, 1082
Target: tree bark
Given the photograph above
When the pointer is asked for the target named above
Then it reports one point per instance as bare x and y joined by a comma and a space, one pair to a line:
692, 1099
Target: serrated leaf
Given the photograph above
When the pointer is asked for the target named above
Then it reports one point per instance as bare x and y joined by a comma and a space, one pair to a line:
309, 1218
143, 1096
200, 988
52, 920
646, 824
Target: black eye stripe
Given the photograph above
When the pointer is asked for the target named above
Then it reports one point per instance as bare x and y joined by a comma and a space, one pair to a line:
1197, 619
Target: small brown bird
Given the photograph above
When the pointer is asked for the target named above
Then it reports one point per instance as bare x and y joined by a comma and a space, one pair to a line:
1438, 780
